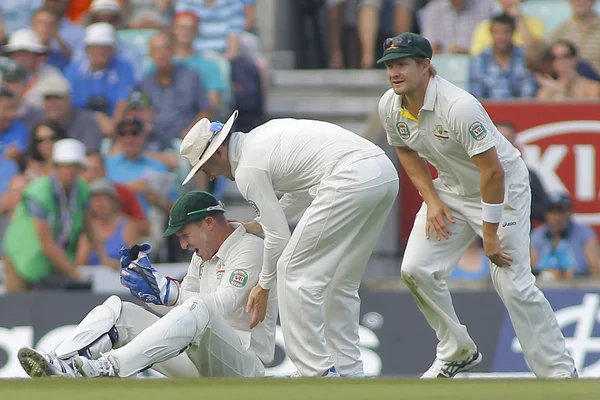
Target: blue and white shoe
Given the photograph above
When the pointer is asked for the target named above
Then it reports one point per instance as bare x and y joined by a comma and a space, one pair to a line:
449, 369
330, 373
38, 363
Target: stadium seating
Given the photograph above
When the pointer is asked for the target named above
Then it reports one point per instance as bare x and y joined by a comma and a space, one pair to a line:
453, 67
553, 12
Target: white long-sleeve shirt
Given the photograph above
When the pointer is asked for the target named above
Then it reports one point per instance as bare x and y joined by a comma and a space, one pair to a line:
293, 157
224, 282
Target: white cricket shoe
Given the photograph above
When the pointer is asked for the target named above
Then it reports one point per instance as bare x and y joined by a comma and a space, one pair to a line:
448, 369
38, 363
331, 373
100, 368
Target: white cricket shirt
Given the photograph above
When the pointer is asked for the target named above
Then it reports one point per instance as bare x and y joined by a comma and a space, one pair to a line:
291, 156
452, 126
225, 281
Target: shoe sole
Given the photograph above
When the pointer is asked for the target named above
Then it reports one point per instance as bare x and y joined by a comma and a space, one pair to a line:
78, 365
33, 363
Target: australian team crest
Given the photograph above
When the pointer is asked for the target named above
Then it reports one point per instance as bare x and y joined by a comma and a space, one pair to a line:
403, 130
441, 134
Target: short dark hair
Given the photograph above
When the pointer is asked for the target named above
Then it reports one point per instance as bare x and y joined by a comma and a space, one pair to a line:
504, 19
45, 10
568, 44
59, 133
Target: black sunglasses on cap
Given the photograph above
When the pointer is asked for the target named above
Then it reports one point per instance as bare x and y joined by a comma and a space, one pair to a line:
396, 43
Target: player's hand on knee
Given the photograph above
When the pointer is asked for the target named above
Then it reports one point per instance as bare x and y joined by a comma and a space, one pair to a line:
493, 250
437, 212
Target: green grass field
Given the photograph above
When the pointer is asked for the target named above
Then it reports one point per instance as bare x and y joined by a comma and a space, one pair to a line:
304, 389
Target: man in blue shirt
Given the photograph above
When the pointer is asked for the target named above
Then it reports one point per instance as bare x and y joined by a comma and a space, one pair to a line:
177, 94
499, 72
102, 81
13, 133
563, 248
147, 177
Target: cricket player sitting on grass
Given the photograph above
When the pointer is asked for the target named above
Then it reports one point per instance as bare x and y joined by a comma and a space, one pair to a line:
206, 331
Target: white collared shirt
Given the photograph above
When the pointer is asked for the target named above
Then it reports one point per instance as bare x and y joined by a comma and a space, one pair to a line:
452, 126
225, 281
292, 156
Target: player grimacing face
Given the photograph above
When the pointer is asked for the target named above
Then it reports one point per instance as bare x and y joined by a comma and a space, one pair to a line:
197, 236
405, 74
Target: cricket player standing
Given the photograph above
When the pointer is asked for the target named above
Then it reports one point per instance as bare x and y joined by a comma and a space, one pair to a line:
206, 319
482, 189
344, 186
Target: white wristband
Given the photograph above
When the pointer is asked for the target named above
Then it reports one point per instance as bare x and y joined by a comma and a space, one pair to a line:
491, 213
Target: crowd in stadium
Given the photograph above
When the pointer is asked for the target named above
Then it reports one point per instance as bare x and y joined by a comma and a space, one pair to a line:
104, 90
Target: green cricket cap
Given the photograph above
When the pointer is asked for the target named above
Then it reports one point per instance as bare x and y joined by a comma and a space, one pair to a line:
138, 99
407, 44
11, 71
192, 206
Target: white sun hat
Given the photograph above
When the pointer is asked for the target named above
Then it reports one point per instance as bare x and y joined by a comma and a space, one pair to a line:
69, 151
100, 34
105, 5
25, 40
199, 144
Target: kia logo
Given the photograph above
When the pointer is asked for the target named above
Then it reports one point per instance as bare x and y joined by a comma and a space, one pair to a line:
567, 151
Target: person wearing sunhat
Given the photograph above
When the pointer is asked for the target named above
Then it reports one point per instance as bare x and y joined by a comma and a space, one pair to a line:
42, 237
25, 47
482, 189
209, 303
345, 186
563, 248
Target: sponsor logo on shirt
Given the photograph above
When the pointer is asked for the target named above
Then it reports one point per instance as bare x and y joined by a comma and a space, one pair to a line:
238, 278
403, 130
477, 130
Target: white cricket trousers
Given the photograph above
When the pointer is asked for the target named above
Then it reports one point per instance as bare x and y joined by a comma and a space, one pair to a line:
319, 272
191, 340
427, 264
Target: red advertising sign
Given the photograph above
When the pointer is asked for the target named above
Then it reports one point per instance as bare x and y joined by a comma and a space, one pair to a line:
561, 142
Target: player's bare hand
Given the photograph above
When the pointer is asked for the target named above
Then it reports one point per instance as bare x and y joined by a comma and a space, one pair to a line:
437, 213
493, 251
251, 227
257, 304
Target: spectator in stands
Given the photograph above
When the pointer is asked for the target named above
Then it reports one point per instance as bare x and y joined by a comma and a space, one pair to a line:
499, 72
51, 217
568, 83
130, 204
539, 59
45, 24
8, 202
148, 178
450, 24
134, 168
185, 31
13, 133
147, 14
111, 226
77, 10
583, 29
368, 27
473, 265
41, 140
177, 94
15, 15
25, 47
14, 79
72, 35
102, 80
79, 124
538, 193
563, 248
109, 11
529, 31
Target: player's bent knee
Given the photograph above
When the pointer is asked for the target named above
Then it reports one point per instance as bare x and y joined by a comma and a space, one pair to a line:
198, 308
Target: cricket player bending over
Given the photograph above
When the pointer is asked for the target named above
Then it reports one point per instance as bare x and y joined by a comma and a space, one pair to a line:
344, 186
206, 331
482, 189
